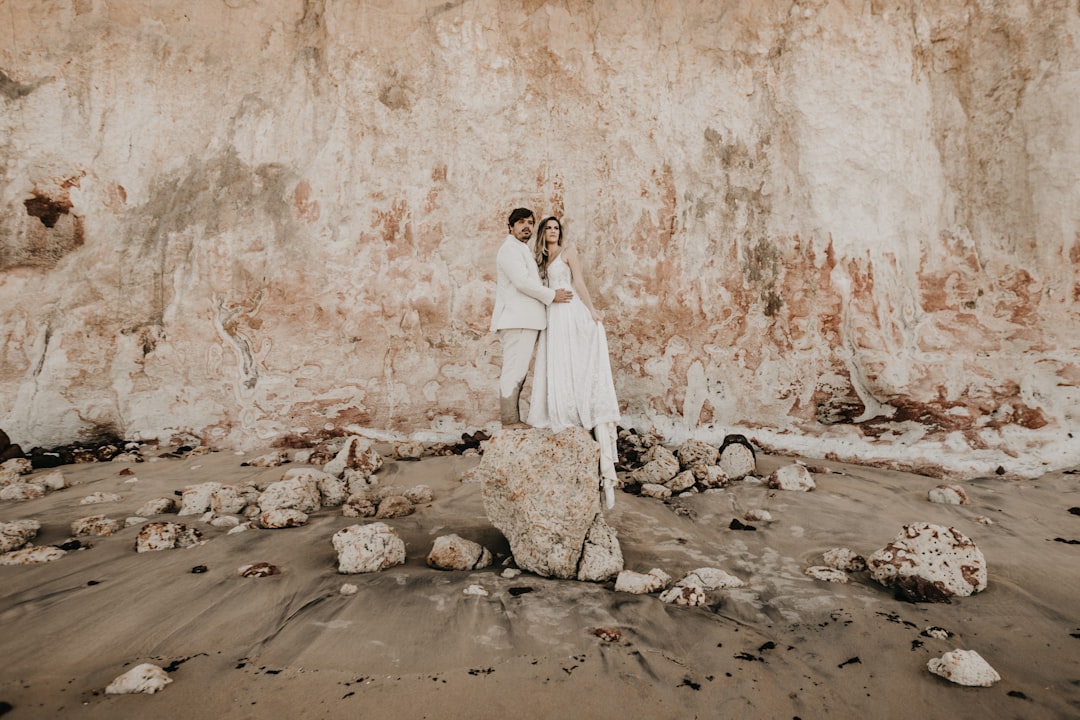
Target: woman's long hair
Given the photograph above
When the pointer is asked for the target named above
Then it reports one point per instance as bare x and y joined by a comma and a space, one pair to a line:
541, 245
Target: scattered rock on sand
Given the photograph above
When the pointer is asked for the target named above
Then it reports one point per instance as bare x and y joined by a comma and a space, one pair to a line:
361, 505
357, 454
660, 492
157, 506
165, 536
53, 481
195, 499
145, 678
948, 495
964, 667
695, 452
637, 583
258, 570
270, 459
12, 469
943, 557
711, 578
845, 559
419, 495
660, 466
601, 556
32, 555
757, 515
368, 548
228, 499
476, 590
296, 492
283, 518
408, 450
793, 477
16, 534
100, 497
828, 574
348, 589
736, 457
453, 552
394, 506
541, 490
20, 491
683, 481
685, 595
95, 525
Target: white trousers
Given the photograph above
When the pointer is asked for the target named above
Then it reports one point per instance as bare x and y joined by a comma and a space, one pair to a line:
517, 348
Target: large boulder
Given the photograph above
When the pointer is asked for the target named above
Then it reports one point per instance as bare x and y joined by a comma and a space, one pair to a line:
941, 557
453, 552
542, 490
368, 548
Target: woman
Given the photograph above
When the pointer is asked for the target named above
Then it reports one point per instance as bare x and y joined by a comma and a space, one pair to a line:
572, 385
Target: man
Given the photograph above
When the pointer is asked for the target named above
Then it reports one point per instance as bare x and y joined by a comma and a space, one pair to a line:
521, 301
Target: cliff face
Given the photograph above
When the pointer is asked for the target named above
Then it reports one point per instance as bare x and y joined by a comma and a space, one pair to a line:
848, 227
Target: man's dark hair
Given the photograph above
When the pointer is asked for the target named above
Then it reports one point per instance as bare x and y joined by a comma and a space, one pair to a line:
519, 214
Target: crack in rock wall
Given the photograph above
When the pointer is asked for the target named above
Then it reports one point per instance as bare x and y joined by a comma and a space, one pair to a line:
846, 228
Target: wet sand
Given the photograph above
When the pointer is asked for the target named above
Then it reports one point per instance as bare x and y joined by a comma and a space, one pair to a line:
412, 644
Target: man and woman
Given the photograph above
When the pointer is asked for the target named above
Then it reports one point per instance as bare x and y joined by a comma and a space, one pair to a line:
572, 383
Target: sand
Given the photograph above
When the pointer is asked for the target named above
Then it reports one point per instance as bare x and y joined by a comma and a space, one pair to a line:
412, 644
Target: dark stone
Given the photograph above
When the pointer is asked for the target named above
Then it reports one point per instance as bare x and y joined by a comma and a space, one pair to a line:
738, 440
736, 524
914, 589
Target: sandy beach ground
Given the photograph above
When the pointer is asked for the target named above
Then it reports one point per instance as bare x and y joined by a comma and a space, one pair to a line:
412, 644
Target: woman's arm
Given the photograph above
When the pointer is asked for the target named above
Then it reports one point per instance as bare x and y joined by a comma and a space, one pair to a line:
578, 278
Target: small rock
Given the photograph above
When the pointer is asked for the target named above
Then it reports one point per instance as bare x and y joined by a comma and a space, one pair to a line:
394, 506
408, 450
737, 458
53, 481
637, 583
20, 491
948, 495
983, 520
225, 521
298, 490
608, 634
270, 459
844, 559
258, 570
510, 573
348, 589
682, 481
32, 555
157, 536
660, 492
158, 506
419, 495
964, 667
358, 506
711, 477
242, 527
100, 497
228, 499
757, 515
476, 590
684, 595
368, 548
794, 477
938, 633
357, 454
695, 452
452, 552
195, 499
16, 534
710, 578
95, 525
282, 518
145, 678
828, 574
660, 466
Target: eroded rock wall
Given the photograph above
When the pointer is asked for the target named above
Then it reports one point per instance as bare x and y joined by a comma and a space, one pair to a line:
842, 227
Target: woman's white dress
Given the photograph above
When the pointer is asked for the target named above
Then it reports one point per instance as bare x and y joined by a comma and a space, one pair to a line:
572, 385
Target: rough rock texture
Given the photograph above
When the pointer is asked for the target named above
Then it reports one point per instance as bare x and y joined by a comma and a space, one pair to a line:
453, 552
282, 518
197, 499
630, 581
32, 555
542, 491
660, 466
737, 461
793, 477
15, 534
165, 536
144, 678
21, 491
157, 506
296, 492
357, 455
948, 495
368, 548
943, 557
845, 559
964, 667
95, 525
828, 574
601, 556
847, 226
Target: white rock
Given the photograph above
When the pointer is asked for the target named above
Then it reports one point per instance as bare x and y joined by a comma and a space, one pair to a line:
601, 556
452, 552
948, 495
476, 590
510, 573
145, 678
828, 574
157, 506
419, 495
16, 534
710, 578
684, 595
157, 536
225, 521
942, 556
11, 469
736, 460
357, 454
757, 515
681, 482
283, 518
195, 499
660, 492
793, 477
296, 492
368, 548
842, 558
20, 491
228, 499
638, 583
983, 520
53, 481
348, 589
359, 506
964, 667
270, 459
242, 527
660, 466
32, 555
95, 525
695, 452
408, 450
938, 633
100, 497
710, 477
134, 520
